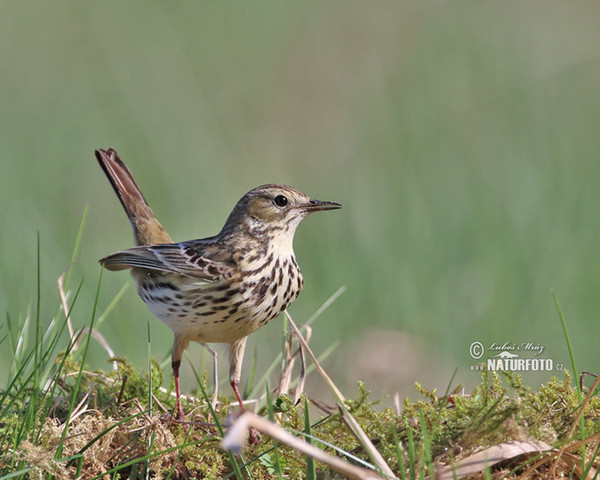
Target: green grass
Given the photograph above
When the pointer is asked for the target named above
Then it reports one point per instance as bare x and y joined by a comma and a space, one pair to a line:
59, 418
460, 138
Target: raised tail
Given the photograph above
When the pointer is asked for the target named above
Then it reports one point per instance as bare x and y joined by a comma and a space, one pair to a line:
146, 228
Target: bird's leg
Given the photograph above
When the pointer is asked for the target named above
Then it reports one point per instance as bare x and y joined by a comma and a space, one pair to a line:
234, 386
236, 355
179, 345
213, 402
180, 416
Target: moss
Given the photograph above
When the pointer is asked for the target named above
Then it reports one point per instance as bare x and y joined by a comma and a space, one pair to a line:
117, 429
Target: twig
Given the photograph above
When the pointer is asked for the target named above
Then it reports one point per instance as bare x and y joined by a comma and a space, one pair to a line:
574, 425
302, 379
95, 333
373, 453
316, 363
237, 434
63, 301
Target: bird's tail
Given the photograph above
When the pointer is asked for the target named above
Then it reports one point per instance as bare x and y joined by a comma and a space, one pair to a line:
146, 228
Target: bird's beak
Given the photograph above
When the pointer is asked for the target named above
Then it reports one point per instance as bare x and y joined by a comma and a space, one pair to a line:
318, 205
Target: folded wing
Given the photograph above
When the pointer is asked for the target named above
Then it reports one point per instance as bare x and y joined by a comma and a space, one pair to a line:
178, 258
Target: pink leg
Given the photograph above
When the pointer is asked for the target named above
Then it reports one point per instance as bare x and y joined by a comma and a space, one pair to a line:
180, 416
236, 354
234, 385
253, 435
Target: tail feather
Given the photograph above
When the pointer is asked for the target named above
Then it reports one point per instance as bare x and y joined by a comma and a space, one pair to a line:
147, 230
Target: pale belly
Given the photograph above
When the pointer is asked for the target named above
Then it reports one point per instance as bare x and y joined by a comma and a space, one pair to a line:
220, 313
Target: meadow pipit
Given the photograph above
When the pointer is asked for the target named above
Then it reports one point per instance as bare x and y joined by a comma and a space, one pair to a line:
218, 289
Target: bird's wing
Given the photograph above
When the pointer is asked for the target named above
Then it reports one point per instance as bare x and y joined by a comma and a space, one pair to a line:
189, 258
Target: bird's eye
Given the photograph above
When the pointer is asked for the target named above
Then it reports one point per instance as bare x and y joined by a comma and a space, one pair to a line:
280, 201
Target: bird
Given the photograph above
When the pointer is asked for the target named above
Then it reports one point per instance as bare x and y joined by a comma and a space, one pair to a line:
218, 289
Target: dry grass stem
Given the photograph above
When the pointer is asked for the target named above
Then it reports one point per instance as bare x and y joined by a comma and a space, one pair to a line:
349, 419
290, 359
302, 379
76, 337
235, 438
63, 301
312, 356
575, 422
365, 441
488, 457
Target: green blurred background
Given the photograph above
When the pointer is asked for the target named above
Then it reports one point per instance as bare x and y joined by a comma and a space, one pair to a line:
461, 137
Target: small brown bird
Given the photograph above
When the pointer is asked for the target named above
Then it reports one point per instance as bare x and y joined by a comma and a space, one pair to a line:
218, 289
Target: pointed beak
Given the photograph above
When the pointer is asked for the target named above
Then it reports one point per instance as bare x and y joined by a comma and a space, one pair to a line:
318, 205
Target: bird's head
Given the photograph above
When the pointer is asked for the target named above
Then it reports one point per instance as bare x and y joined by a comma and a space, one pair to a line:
275, 208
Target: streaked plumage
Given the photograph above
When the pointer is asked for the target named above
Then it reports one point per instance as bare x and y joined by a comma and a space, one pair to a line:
217, 289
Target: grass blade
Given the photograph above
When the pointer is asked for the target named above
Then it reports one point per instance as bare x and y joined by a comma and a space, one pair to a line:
250, 420
84, 355
276, 465
567, 339
311, 472
234, 463
373, 453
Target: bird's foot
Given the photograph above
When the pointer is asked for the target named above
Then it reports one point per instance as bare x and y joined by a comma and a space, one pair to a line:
170, 418
180, 417
254, 436
177, 418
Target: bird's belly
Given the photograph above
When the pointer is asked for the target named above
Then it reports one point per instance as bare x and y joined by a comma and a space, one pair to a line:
221, 313
206, 325
212, 328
